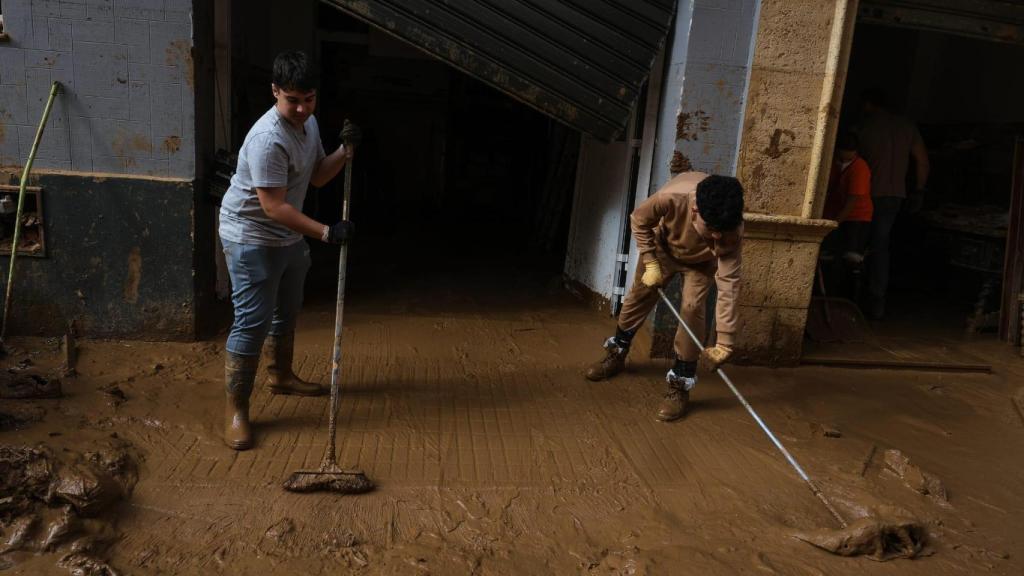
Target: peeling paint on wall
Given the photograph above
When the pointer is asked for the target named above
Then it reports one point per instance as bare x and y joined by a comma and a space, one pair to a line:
179, 53
172, 144
126, 145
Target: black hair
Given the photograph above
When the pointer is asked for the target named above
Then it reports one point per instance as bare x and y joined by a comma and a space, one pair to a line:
720, 202
847, 140
294, 71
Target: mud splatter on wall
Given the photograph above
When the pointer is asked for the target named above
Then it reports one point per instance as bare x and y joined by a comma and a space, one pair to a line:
689, 125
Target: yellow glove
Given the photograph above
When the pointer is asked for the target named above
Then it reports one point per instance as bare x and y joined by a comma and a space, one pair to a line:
714, 356
652, 274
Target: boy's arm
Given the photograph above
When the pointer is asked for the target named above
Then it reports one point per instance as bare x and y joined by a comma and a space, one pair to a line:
644, 220
727, 280
330, 165
274, 205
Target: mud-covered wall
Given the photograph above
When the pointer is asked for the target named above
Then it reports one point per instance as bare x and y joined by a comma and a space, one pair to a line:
117, 163
710, 105
119, 255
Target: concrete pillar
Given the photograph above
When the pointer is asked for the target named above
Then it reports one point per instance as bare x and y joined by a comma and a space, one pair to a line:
703, 102
793, 101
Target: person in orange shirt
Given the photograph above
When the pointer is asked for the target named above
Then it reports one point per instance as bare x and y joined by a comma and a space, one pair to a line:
848, 202
849, 199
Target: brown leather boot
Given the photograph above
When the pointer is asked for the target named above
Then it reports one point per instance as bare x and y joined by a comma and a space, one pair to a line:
278, 352
673, 405
613, 362
239, 375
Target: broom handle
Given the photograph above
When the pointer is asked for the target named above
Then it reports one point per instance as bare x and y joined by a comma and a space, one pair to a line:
338, 314
789, 457
21, 206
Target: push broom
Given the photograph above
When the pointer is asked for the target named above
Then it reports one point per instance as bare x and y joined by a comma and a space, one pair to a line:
330, 477
880, 538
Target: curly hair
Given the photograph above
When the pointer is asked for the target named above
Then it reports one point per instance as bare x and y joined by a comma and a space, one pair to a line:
294, 71
720, 202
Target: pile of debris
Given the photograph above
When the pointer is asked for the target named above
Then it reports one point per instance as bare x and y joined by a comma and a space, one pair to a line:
64, 503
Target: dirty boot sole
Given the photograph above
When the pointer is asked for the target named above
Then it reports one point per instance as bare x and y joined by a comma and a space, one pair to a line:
239, 445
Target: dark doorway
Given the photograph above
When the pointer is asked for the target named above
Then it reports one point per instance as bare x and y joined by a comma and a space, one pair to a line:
455, 182
950, 259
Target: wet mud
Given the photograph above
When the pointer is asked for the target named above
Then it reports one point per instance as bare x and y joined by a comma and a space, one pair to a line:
493, 455
915, 478
22, 381
64, 503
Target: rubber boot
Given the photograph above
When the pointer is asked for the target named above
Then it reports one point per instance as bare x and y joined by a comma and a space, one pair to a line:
673, 405
239, 375
278, 352
613, 362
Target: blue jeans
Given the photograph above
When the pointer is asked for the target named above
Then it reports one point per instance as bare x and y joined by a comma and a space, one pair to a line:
887, 208
266, 290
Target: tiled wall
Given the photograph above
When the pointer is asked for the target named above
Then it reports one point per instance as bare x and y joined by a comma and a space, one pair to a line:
128, 104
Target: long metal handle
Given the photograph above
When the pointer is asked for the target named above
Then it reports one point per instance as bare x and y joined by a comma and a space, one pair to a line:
338, 315
21, 205
789, 457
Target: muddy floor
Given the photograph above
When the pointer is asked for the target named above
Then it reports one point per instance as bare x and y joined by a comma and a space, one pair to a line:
494, 456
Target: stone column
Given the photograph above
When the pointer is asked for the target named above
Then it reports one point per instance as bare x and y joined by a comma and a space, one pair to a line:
796, 85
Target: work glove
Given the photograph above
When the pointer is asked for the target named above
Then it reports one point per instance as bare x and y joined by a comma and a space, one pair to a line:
351, 134
712, 357
652, 277
340, 233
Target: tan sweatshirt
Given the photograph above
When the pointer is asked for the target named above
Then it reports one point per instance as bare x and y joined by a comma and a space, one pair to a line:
665, 220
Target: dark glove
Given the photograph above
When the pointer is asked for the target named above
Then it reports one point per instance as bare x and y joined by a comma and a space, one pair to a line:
341, 232
351, 134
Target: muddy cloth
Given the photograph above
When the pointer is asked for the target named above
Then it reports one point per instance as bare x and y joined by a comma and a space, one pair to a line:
878, 539
664, 230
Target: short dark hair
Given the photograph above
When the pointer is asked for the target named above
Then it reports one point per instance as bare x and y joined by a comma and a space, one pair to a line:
847, 140
720, 202
294, 71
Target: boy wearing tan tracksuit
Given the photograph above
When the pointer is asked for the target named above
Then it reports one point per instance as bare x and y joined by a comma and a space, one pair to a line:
692, 226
